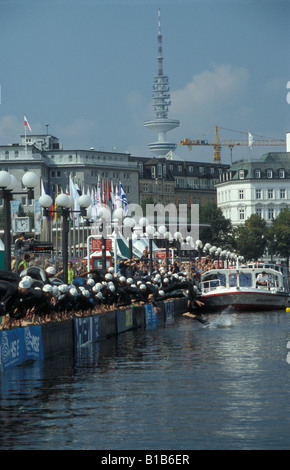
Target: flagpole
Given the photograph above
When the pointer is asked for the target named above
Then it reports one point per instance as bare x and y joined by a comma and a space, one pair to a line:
250, 144
25, 140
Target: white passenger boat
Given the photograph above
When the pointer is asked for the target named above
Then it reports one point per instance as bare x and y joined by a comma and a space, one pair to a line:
239, 288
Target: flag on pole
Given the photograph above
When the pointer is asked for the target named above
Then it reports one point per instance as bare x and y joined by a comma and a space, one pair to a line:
103, 192
109, 192
44, 221
43, 193
55, 204
51, 207
113, 196
118, 202
250, 140
99, 196
73, 192
26, 123
124, 199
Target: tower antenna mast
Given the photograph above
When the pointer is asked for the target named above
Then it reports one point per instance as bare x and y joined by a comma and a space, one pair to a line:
161, 102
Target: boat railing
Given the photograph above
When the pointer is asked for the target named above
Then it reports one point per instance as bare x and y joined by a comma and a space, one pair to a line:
269, 285
210, 284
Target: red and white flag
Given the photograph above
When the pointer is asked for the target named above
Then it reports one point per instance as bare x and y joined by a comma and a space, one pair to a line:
103, 192
26, 123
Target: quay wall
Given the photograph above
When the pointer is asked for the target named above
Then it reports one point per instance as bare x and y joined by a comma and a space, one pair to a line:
37, 342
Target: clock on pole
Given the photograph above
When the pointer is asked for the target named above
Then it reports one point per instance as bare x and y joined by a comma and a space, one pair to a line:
22, 224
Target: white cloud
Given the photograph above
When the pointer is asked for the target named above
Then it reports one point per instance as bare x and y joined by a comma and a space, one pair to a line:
210, 89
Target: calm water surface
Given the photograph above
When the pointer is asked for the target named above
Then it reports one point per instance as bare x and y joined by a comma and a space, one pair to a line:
181, 386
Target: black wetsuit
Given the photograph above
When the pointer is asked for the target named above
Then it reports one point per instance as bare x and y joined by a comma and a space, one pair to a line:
32, 298
9, 276
36, 273
8, 295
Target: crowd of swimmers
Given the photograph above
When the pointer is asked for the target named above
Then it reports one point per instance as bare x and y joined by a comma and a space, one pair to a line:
37, 295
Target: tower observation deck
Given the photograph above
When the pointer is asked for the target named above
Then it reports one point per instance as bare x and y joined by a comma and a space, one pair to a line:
161, 102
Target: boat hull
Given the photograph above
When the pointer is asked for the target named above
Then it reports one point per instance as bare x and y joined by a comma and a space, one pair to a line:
244, 301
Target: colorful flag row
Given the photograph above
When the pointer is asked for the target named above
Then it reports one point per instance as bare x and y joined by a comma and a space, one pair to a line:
103, 194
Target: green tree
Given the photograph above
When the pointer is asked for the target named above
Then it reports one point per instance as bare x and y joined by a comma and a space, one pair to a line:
144, 202
279, 235
251, 238
220, 231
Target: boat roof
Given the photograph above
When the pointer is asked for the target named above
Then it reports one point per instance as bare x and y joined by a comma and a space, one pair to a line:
241, 269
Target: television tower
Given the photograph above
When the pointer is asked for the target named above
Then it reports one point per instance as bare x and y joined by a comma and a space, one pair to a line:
161, 102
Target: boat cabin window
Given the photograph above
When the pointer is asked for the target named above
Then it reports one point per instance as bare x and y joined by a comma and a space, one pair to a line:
222, 279
233, 279
245, 279
215, 279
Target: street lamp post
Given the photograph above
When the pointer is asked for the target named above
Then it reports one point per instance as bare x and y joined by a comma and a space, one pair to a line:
129, 224
7, 185
65, 204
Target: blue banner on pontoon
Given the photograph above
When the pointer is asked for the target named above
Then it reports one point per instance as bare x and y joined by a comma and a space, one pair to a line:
20, 345
86, 330
151, 316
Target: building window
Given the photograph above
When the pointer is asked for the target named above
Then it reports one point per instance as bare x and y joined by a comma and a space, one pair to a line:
281, 173
190, 169
257, 173
180, 168
153, 172
241, 194
159, 170
269, 173
241, 214
270, 214
145, 187
140, 166
282, 193
241, 174
201, 169
270, 194
258, 194
259, 212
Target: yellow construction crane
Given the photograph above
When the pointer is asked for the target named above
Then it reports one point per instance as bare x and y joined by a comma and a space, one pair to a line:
217, 144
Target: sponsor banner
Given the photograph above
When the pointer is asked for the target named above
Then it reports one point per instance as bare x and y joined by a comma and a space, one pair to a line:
97, 244
150, 316
125, 320
169, 311
20, 345
86, 330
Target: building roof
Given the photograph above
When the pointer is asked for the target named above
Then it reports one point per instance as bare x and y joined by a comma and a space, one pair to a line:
274, 161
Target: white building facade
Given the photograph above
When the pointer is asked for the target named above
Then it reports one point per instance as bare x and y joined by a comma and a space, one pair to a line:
255, 187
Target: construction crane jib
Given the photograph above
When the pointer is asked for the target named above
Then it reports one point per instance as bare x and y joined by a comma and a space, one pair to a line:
217, 144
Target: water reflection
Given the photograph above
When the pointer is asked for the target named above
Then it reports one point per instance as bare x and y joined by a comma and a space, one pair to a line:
181, 386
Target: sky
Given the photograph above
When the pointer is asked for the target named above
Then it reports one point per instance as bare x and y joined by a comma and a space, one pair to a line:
86, 68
